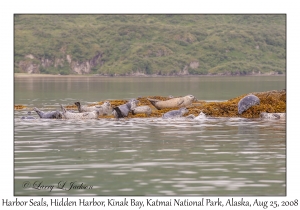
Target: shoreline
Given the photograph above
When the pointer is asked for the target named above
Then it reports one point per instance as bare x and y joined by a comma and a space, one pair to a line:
138, 76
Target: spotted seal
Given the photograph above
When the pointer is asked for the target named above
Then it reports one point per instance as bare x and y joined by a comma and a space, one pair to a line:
173, 102
105, 108
124, 109
175, 113
80, 116
272, 116
142, 109
247, 102
48, 115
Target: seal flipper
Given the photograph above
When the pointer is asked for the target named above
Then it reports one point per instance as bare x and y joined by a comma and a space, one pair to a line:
63, 109
153, 101
38, 112
180, 102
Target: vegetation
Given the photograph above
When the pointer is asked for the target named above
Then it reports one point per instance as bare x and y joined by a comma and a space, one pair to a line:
152, 44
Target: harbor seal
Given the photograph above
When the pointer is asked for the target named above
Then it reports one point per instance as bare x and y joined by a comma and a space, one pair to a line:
105, 108
142, 109
173, 102
124, 109
79, 116
201, 116
175, 113
48, 115
191, 116
272, 116
247, 102
28, 117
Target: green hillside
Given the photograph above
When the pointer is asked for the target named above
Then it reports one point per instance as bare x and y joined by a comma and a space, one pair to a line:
150, 44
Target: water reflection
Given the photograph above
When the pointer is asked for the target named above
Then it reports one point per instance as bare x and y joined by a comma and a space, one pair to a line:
150, 159
87, 89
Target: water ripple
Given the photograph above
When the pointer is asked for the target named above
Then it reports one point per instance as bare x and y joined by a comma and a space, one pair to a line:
172, 157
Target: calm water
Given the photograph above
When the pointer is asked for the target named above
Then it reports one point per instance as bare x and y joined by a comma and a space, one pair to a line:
226, 156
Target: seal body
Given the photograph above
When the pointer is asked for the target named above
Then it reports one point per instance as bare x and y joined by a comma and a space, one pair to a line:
142, 109
247, 102
28, 118
173, 102
84, 108
272, 116
48, 115
175, 113
104, 109
191, 116
79, 116
124, 109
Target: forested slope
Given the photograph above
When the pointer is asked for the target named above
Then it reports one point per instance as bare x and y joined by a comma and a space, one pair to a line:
150, 44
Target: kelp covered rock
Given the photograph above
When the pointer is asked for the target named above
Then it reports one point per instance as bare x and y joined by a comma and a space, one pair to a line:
270, 102
17, 107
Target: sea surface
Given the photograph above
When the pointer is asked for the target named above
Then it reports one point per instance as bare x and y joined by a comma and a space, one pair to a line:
149, 156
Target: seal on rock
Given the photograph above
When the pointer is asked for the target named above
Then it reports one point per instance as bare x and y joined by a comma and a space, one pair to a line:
272, 116
175, 113
247, 102
48, 115
80, 116
123, 110
142, 109
105, 108
173, 102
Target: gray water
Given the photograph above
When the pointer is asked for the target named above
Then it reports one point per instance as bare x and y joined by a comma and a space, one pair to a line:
150, 156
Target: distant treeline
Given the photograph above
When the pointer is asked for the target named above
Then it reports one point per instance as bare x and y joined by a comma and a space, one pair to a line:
150, 44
